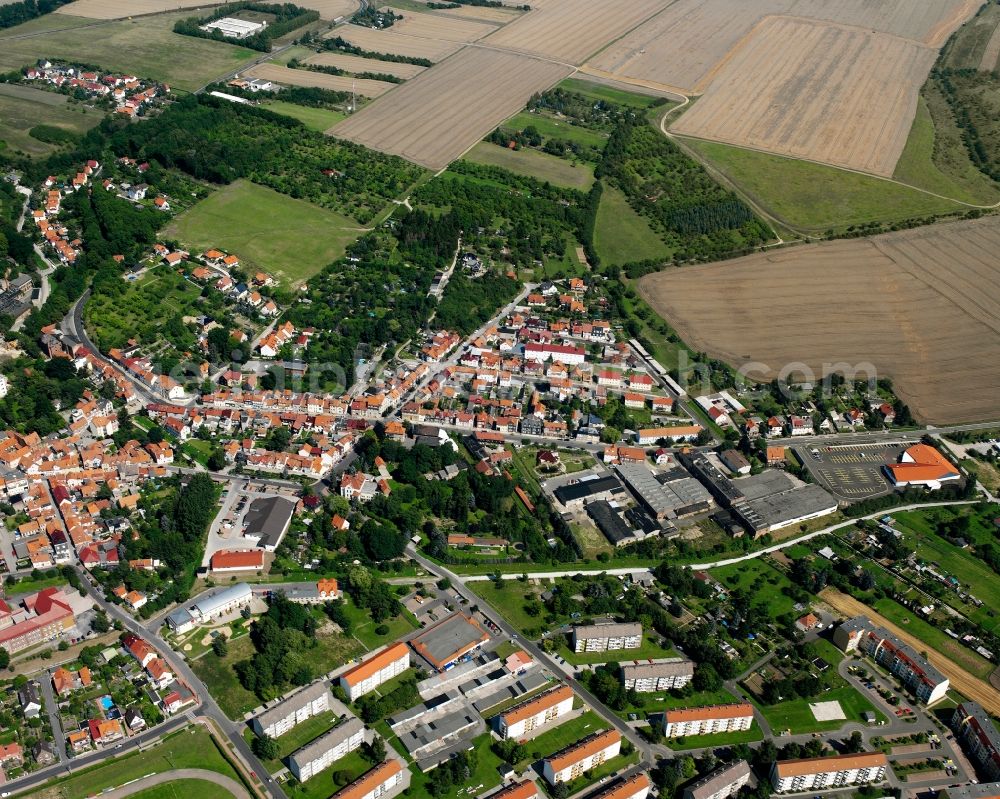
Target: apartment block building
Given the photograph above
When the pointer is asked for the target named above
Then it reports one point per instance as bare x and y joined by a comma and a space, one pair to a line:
376, 782
646, 676
371, 673
607, 637
722, 783
41, 617
526, 716
636, 787
519, 790
317, 755
310, 701
571, 762
927, 683
707, 720
978, 736
818, 773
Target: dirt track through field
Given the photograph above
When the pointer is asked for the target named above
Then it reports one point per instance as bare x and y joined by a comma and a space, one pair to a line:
922, 306
824, 92
305, 77
966, 684
438, 115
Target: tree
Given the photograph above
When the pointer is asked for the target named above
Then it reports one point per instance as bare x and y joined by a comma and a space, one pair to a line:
220, 646
706, 678
374, 752
265, 747
100, 623
4, 658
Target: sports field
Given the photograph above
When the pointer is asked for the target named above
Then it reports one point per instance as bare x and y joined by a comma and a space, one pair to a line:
22, 108
145, 46
290, 239
534, 164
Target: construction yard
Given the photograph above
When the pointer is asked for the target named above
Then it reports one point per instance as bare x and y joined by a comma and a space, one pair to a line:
922, 306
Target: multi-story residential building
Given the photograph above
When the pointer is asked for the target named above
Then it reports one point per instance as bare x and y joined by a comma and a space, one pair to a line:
979, 737
309, 702
707, 720
722, 783
375, 783
636, 787
607, 637
582, 756
984, 790
371, 673
818, 773
317, 755
646, 676
519, 790
526, 716
42, 617
927, 683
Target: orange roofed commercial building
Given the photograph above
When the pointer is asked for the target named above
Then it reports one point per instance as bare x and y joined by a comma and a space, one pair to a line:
449, 639
371, 673
234, 560
922, 465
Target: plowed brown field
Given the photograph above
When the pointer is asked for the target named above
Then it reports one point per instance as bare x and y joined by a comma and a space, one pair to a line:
922, 306
438, 115
825, 92
966, 684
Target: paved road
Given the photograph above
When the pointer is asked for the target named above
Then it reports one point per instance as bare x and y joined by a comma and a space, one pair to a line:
141, 784
52, 708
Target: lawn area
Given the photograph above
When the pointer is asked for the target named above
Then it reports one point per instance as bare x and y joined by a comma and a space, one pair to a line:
322, 785
797, 716
28, 586
319, 119
817, 197
221, 680
190, 748
23, 107
184, 789
363, 628
266, 230
198, 449
146, 46
509, 600
297, 737
595, 775
762, 580
716, 739
649, 649
548, 125
934, 638
484, 775
566, 734
621, 235
945, 169
599, 91
535, 164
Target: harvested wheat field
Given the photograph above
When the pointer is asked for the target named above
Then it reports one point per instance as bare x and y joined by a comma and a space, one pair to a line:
991, 54
968, 685
305, 77
356, 64
827, 93
440, 114
115, 9
922, 305
387, 41
688, 41
499, 15
434, 26
331, 9
572, 30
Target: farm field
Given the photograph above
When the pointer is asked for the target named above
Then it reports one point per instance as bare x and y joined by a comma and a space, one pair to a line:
388, 41
22, 108
621, 235
318, 119
146, 46
436, 26
500, 15
331, 9
440, 114
852, 107
922, 306
353, 63
979, 43
274, 243
688, 42
571, 32
305, 77
815, 197
115, 9
534, 164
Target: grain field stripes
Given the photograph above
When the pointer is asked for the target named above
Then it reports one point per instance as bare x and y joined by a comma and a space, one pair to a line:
356, 64
305, 77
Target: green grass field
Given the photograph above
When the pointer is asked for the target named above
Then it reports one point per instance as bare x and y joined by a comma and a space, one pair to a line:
485, 773
322, 785
797, 716
146, 46
319, 119
290, 239
566, 734
184, 789
550, 126
716, 739
534, 164
221, 680
814, 197
23, 107
191, 748
599, 91
621, 235
935, 157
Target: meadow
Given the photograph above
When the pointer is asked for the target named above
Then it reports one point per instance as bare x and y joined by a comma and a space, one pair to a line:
535, 164
22, 108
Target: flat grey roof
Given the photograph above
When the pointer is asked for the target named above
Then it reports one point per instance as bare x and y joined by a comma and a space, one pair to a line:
444, 639
663, 667
794, 503
717, 780
318, 747
209, 605
295, 702
614, 630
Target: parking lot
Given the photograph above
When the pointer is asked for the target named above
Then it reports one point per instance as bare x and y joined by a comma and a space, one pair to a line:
851, 472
